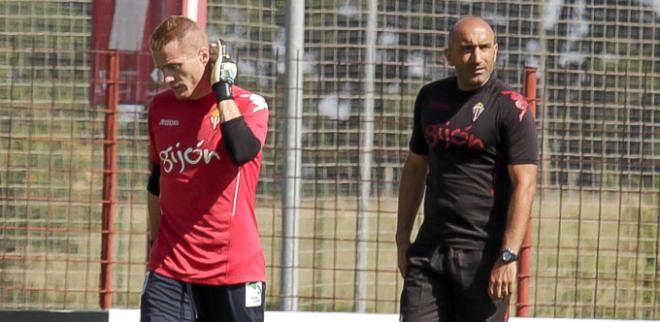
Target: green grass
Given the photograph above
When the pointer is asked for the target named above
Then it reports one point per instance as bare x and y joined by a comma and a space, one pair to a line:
594, 255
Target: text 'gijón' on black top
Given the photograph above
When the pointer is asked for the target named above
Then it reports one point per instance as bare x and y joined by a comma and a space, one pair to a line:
469, 139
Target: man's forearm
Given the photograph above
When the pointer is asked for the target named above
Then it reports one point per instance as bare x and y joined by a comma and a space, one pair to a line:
153, 209
411, 193
241, 144
520, 207
228, 110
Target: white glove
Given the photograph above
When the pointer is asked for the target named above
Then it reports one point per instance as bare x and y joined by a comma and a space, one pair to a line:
224, 71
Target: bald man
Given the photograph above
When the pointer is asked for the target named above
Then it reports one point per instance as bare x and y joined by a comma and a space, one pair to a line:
473, 155
206, 135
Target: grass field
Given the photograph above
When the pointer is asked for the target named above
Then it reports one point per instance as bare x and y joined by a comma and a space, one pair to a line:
595, 253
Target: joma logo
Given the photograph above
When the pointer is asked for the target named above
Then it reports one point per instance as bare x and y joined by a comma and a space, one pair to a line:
165, 122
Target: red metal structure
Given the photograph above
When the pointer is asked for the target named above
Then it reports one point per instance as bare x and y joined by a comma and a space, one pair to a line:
109, 180
522, 303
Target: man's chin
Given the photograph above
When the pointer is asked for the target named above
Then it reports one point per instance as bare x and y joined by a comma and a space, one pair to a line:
182, 95
472, 84
479, 81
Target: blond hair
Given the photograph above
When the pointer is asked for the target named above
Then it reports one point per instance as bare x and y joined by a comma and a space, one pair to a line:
176, 28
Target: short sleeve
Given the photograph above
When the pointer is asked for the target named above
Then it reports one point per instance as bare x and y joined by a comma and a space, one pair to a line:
418, 142
153, 155
254, 109
518, 130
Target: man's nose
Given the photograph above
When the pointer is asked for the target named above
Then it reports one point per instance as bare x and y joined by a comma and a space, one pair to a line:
476, 56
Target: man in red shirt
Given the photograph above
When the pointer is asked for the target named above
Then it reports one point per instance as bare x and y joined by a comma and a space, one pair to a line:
206, 135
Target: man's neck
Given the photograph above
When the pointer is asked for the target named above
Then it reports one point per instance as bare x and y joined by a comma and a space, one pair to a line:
468, 88
203, 87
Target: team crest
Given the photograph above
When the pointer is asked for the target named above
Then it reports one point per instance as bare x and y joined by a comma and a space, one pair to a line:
477, 109
215, 118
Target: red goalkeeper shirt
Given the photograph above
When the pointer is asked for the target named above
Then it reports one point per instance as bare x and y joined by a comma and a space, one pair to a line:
208, 230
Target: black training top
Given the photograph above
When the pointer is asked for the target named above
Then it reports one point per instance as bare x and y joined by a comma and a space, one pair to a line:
469, 139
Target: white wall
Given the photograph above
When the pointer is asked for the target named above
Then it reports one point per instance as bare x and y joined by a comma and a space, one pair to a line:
273, 316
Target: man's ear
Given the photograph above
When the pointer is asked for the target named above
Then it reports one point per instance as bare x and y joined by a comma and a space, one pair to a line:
204, 55
496, 50
448, 57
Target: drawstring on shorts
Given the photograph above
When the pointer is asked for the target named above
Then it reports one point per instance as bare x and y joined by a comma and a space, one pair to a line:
187, 292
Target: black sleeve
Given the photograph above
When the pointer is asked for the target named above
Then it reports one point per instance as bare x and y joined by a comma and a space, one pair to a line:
519, 131
240, 142
153, 186
418, 142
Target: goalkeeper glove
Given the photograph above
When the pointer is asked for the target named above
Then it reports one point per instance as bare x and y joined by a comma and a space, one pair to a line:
223, 72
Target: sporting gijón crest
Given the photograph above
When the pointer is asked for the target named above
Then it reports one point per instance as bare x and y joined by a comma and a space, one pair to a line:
477, 109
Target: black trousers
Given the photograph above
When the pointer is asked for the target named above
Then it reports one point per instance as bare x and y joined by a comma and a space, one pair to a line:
169, 300
450, 285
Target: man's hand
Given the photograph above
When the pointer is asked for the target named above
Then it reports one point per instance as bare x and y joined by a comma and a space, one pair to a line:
401, 257
502, 277
224, 71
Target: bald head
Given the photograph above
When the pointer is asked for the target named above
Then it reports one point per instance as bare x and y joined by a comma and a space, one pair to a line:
470, 24
472, 51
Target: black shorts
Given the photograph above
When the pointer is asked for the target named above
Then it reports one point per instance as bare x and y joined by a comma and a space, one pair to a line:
168, 300
450, 285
